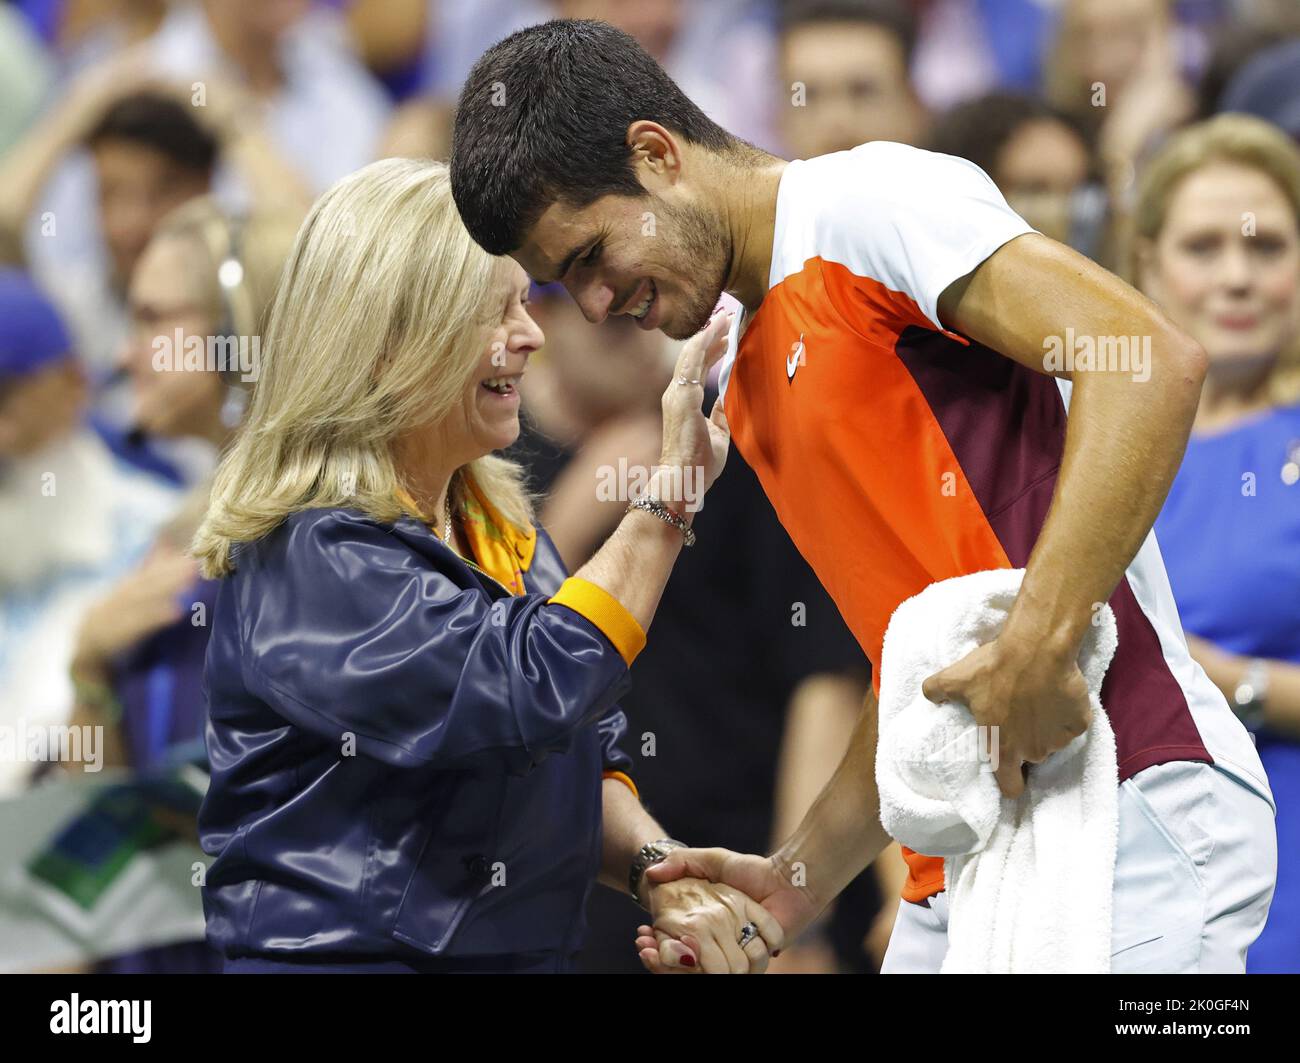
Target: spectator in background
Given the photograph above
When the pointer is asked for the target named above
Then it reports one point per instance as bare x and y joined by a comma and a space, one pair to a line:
82, 31
1231, 49
1218, 246
966, 48
1038, 158
273, 80
844, 76
73, 518
389, 36
322, 109
722, 53
147, 154
779, 680
1268, 86
1114, 68
206, 274
148, 149
137, 666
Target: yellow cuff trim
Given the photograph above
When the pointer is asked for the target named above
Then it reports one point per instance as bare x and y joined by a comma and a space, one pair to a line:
624, 780
606, 612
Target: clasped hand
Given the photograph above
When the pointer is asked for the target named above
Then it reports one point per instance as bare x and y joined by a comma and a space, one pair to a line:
701, 900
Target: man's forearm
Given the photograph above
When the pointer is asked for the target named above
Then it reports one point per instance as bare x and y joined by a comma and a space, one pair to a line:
626, 827
1124, 442
1124, 438
841, 834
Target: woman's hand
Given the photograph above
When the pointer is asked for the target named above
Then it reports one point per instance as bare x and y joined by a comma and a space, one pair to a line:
691, 440
764, 881
698, 926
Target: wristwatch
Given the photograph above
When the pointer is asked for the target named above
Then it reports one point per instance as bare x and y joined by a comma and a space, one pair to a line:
649, 854
1249, 698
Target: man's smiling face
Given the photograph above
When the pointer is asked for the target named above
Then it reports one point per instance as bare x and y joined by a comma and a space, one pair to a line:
661, 262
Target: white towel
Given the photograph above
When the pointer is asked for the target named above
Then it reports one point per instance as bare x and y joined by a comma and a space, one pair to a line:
1029, 881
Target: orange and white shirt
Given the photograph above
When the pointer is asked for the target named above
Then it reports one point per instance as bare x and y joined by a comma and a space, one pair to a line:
897, 453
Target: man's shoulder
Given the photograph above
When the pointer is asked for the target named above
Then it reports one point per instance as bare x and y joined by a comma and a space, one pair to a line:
884, 171
892, 217
858, 207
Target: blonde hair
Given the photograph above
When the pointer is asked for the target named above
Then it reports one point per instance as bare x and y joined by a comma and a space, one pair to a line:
1242, 140
380, 320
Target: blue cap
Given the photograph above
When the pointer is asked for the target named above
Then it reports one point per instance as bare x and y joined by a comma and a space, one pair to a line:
32, 335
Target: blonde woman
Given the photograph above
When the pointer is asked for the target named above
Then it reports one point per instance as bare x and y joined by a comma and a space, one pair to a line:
1218, 247
415, 747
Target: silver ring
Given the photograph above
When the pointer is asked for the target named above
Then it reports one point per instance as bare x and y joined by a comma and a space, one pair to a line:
687, 383
747, 934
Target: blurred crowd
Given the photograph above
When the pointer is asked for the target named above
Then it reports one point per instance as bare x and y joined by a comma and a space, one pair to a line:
157, 156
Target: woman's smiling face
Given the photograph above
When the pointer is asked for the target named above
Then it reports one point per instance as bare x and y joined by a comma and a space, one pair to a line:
488, 419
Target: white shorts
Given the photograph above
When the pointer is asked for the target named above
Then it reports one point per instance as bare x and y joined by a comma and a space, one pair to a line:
1194, 874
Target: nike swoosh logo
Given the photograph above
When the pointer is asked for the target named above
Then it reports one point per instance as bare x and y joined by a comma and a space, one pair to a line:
795, 360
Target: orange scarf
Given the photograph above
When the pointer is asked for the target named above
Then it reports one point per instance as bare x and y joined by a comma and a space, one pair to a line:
499, 548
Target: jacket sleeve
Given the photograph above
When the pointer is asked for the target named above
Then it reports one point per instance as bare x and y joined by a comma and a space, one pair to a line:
353, 637
613, 735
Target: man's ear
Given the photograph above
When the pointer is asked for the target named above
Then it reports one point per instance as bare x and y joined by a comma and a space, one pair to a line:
656, 152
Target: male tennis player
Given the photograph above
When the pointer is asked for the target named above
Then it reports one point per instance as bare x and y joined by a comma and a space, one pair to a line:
899, 379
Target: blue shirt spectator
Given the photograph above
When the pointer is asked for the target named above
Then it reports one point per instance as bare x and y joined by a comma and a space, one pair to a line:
1230, 535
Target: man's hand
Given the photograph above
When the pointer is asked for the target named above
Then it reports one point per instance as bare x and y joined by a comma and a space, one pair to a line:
700, 924
1037, 701
777, 907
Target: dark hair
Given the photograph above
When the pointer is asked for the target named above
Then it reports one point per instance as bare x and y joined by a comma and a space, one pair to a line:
979, 129
891, 15
159, 122
543, 118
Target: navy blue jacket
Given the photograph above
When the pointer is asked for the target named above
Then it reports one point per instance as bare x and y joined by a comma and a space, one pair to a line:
401, 750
